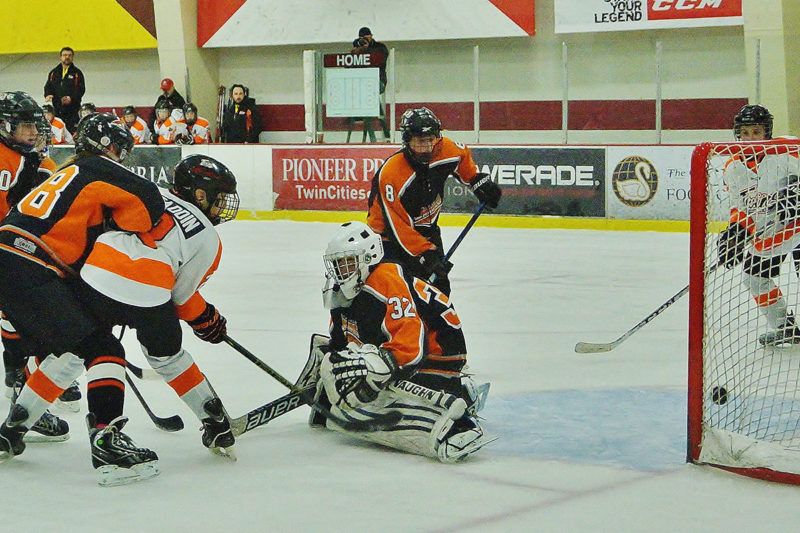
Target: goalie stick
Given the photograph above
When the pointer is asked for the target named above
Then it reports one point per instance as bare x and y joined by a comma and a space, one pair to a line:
375, 423
170, 423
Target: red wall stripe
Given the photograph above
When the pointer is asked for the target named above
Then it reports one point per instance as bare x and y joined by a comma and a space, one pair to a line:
612, 115
533, 115
701, 114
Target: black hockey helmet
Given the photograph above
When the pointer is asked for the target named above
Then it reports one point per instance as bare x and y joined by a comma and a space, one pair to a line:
87, 109
17, 108
751, 115
163, 104
129, 110
202, 172
48, 108
189, 107
98, 132
417, 123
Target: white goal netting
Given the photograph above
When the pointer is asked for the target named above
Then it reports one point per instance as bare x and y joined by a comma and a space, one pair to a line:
749, 363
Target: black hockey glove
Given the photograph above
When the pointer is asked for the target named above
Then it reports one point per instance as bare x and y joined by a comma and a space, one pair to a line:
210, 326
730, 247
433, 262
486, 190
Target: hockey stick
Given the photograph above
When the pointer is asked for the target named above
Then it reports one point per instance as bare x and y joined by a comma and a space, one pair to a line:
376, 423
171, 423
451, 251
145, 374
270, 411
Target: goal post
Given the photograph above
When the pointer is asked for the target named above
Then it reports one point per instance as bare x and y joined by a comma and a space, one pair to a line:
743, 385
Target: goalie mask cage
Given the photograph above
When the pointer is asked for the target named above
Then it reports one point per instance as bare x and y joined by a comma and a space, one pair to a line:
743, 397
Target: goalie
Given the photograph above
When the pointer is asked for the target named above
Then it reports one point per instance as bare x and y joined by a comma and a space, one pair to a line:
764, 221
396, 344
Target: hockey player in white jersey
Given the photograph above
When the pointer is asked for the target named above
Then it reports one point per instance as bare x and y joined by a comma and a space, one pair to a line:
396, 344
149, 281
764, 226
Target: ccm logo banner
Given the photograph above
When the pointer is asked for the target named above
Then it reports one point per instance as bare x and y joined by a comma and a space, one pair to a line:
578, 16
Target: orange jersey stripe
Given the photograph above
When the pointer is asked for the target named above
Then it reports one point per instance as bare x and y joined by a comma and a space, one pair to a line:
192, 308
142, 270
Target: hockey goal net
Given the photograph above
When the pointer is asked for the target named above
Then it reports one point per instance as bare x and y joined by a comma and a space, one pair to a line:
744, 364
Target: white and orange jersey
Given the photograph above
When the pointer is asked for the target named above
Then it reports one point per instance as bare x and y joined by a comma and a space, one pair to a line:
165, 131
402, 314
199, 131
758, 186
61, 134
141, 133
170, 262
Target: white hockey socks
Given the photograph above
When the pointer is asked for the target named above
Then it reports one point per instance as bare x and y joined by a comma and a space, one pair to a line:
769, 299
182, 374
46, 384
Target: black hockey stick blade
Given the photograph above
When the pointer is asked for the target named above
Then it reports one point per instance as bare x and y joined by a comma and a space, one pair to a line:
170, 423
145, 374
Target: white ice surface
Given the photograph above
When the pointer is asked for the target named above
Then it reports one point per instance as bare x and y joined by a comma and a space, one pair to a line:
588, 443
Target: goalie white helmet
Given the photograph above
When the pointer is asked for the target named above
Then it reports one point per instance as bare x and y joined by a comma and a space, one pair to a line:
350, 254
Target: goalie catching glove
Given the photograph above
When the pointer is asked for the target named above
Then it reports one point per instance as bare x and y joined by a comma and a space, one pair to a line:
210, 326
730, 248
358, 373
485, 190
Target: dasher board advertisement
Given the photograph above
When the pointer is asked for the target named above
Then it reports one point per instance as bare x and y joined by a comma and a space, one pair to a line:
582, 16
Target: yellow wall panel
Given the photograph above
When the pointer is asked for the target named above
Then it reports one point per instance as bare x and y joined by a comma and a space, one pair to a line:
46, 26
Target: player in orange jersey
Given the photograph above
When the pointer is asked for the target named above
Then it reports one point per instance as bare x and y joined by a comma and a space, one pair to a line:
407, 193
396, 344
44, 241
192, 128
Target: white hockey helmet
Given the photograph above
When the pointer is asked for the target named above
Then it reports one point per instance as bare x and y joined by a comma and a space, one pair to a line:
350, 254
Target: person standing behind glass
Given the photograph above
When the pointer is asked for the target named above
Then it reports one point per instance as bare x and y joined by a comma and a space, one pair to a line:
240, 120
365, 44
64, 89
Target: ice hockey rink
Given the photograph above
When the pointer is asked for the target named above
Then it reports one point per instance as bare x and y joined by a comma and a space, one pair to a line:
587, 443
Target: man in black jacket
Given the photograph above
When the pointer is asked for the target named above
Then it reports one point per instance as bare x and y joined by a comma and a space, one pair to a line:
240, 120
64, 89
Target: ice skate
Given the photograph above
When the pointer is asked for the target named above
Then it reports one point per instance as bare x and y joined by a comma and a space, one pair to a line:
14, 380
217, 434
49, 428
69, 399
787, 333
458, 434
116, 458
12, 432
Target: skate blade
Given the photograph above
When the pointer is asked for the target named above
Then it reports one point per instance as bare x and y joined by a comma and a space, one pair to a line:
33, 437
471, 448
114, 476
5, 456
227, 453
72, 407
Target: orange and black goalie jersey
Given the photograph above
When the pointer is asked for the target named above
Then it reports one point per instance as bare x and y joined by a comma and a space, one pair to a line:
405, 200
403, 314
58, 222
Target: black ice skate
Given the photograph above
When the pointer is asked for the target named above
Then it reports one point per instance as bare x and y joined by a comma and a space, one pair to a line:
49, 428
115, 457
70, 397
217, 434
787, 333
12, 431
15, 380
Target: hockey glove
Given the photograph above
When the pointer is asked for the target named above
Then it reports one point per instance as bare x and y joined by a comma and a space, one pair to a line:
433, 262
486, 190
360, 373
730, 247
210, 326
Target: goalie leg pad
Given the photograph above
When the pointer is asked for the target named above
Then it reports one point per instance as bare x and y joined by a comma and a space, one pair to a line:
317, 350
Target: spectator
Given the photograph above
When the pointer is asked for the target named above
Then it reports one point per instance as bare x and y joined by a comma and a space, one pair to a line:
170, 95
164, 128
240, 120
86, 109
61, 134
137, 126
64, 89
365, 44
192, 129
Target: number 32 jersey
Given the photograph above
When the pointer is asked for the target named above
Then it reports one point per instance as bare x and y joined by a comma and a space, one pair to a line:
402, 314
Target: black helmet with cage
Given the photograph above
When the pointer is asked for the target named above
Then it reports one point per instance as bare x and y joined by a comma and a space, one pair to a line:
752, 115
18, 108
219, 201
419, 122
87, 109
99, 132
189, 107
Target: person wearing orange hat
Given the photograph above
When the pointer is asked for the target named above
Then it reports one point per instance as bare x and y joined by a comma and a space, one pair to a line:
170, 95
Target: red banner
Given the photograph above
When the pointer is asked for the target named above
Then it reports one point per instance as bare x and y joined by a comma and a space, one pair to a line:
325, 178
692, 9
